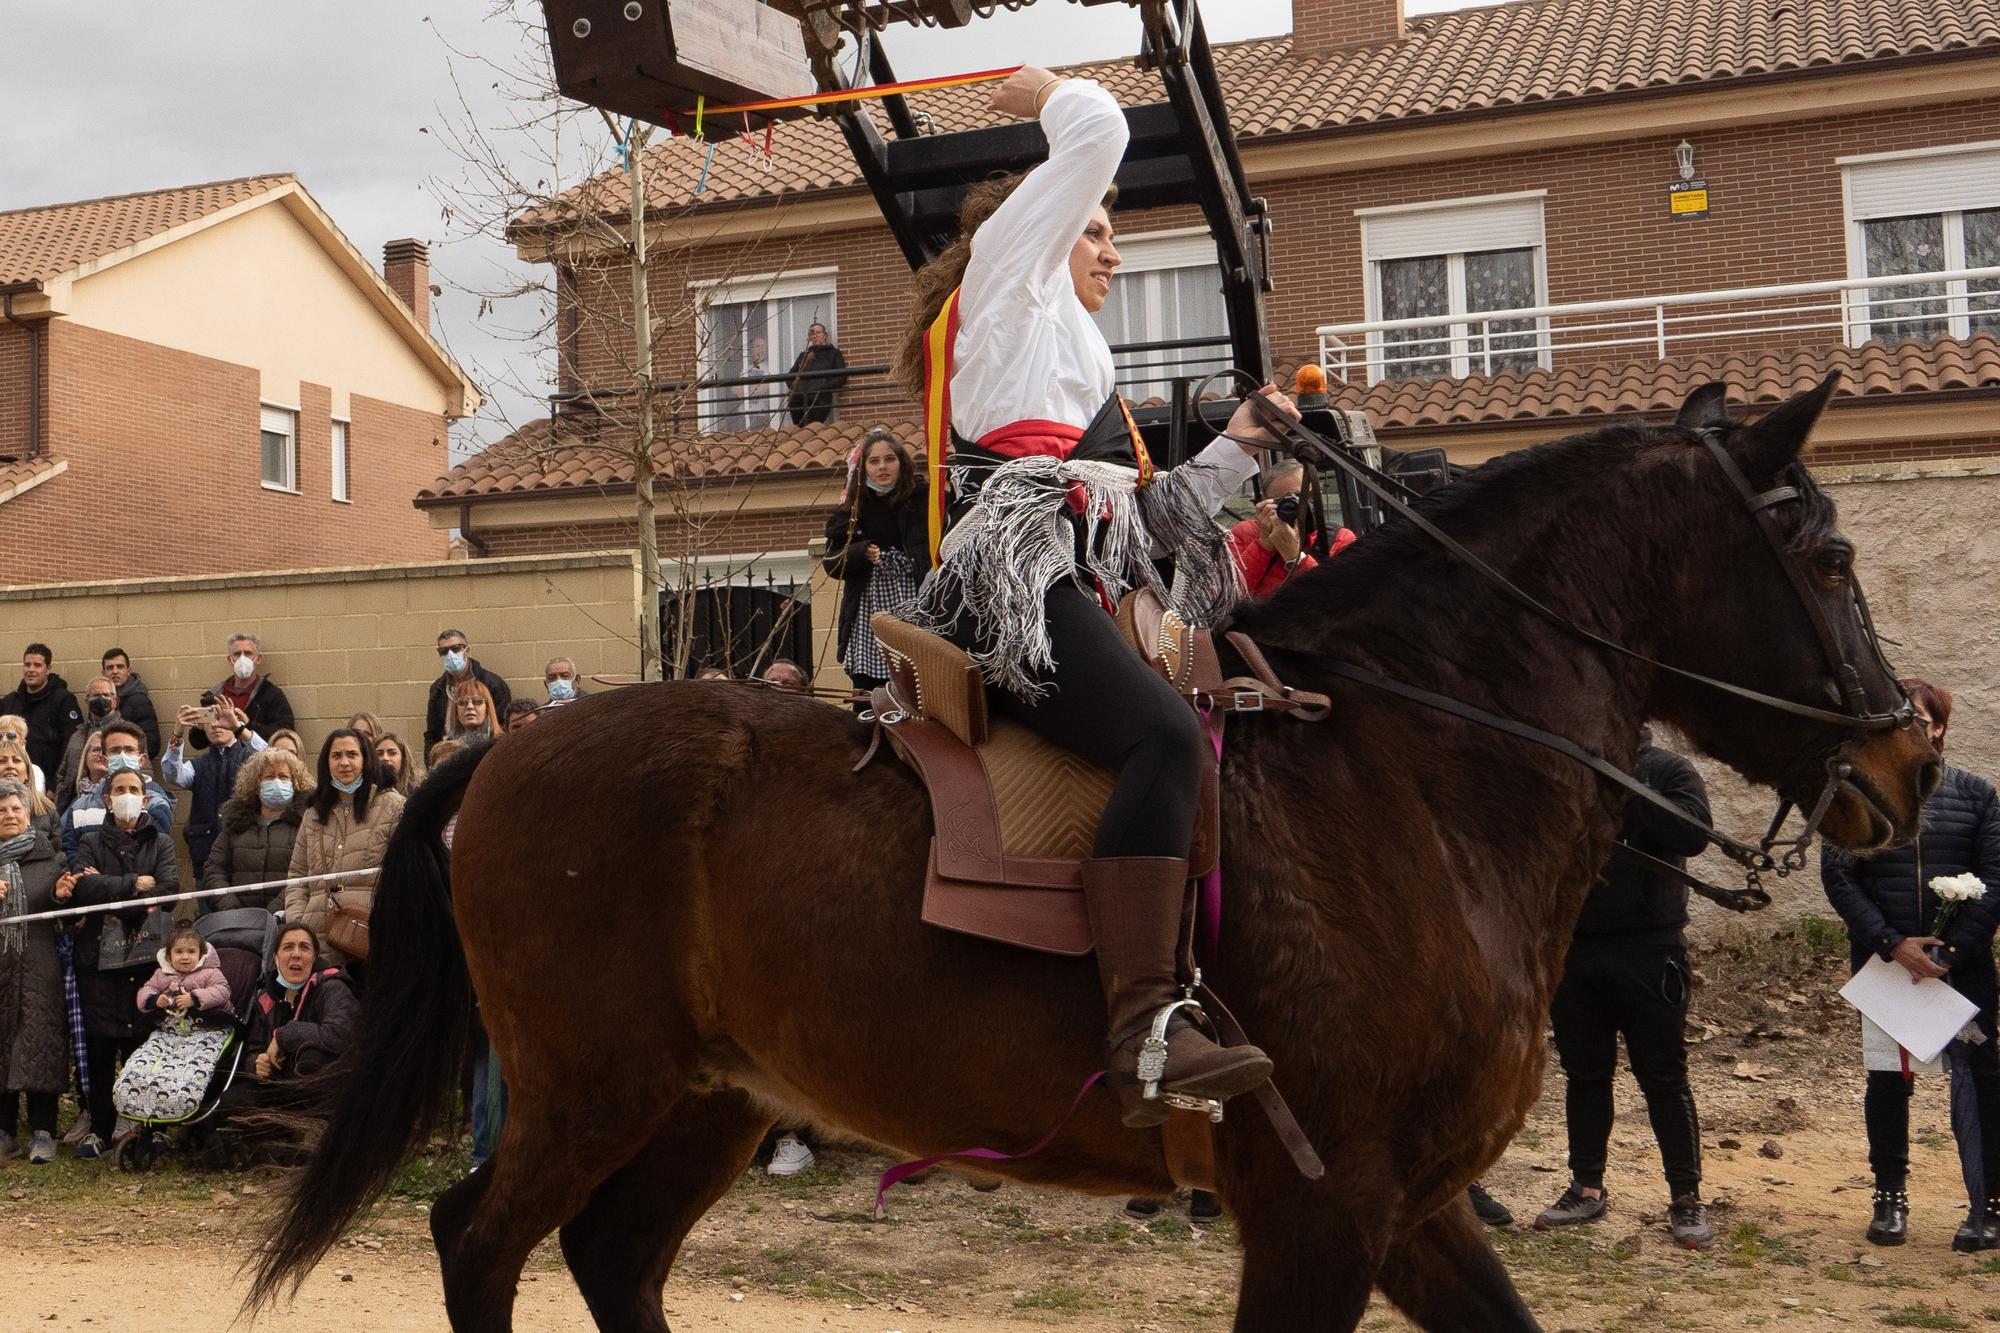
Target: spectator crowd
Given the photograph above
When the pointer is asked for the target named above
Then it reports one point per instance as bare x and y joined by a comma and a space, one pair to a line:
89, 818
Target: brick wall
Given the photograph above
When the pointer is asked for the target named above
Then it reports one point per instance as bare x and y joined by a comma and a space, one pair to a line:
161, 443
727, 534
1776, 217
1320, 26
14, 364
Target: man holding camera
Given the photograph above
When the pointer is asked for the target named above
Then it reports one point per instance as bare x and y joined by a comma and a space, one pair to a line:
1270, 548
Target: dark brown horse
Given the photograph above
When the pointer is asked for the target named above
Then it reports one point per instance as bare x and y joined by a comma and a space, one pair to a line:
684, 917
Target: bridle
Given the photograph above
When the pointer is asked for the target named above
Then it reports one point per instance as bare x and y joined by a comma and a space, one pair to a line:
1772, 853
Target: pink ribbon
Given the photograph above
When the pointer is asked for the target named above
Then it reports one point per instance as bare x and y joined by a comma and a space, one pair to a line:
897, 1174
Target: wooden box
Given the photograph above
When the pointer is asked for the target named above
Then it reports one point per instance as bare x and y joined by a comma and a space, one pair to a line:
646, 58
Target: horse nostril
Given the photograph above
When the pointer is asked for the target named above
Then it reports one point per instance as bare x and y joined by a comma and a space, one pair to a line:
1929, 777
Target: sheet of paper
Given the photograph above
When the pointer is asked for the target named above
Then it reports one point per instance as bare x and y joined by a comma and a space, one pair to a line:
1880, 1053
1922, 1018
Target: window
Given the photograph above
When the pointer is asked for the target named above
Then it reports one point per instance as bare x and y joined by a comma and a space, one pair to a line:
281, 448
1930, 211
1168, 290
754, 327
1455, 260
340, 461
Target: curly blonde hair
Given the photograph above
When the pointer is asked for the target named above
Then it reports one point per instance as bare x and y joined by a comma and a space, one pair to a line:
258, 765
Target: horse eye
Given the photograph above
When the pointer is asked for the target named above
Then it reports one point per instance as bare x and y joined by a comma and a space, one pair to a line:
1833, 565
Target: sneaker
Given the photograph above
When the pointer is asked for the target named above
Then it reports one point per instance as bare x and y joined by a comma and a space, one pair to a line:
1143, 1209
90, 1149
1573, 1207
79, 1131
1203, 1207
124, 1128
43, 1150
1487, 1208
790, 1157
1687, 1219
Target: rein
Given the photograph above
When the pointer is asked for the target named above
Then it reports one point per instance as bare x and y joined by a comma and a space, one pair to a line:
1855, 720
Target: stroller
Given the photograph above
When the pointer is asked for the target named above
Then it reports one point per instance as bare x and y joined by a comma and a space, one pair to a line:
178, 1075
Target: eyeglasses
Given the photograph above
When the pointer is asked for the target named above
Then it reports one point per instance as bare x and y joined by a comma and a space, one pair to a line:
444, 648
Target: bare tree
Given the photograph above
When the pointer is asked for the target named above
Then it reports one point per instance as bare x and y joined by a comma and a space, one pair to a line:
566, 188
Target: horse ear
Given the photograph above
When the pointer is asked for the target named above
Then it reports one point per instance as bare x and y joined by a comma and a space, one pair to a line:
1704, 409
1774, 440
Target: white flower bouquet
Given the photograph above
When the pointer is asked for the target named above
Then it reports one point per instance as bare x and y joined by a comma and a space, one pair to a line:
1954, 891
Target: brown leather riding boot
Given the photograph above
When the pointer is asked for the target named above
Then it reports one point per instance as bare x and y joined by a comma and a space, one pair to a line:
1135, 907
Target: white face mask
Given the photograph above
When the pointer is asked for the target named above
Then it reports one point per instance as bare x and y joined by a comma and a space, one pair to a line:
244, 668
126, 808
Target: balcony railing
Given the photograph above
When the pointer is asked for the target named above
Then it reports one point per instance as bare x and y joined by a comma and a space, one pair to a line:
1921, 306
722, 405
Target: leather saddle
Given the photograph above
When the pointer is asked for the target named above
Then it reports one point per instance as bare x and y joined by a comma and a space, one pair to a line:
1015, 815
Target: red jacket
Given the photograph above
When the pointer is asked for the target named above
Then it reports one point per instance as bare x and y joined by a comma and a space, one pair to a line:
1263, 572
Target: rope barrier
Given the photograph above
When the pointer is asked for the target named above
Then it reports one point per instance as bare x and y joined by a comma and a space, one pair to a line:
128, 904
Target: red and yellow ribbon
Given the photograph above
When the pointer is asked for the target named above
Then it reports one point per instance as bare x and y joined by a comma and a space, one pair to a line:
863, 94
938, 346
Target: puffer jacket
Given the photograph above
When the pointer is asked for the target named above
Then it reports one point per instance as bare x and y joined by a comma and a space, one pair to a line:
312, 1028
121, 856
205, 986
34, 1027
1886, 897
339, 844
249, 851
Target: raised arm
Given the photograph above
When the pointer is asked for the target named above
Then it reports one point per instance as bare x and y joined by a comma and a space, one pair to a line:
1026, 243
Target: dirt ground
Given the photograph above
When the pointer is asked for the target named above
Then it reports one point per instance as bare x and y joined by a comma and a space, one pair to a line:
1777, 1079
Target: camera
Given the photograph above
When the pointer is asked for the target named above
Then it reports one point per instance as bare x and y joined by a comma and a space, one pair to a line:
1288, 509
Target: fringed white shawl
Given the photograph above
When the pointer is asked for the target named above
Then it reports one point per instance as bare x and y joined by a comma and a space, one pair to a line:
1020, 538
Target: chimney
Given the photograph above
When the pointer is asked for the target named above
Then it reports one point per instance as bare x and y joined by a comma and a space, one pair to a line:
1321, 27
406, 267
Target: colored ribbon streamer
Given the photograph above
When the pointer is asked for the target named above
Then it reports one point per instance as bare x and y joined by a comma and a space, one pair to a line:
896, 1175
702, 183
863, 94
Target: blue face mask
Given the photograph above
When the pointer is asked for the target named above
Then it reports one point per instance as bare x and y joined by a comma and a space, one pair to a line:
275, 792
121, 763
879, 488
561, 691
347, 788
454, 662
289, 985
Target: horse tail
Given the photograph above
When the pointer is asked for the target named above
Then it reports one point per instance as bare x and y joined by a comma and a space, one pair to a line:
379, 1101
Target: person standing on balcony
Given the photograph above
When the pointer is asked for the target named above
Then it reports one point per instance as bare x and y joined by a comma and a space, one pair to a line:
1056, 510
878, 546
818, 376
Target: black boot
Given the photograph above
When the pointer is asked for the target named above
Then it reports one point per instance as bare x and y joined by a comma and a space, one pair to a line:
1980, 1230
1891, 1223
1135, 913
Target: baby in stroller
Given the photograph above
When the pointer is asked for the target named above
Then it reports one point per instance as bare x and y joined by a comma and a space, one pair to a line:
207, 974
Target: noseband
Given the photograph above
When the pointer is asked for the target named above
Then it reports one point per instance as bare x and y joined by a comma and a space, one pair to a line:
1774, 854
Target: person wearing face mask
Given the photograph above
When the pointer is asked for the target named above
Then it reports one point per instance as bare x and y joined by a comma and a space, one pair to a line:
1887, 903
346, 828
100, 706
212, 775
34, 1028
246, 688
256, 830
124, 750
304, 1015
559, 679
878, 546
125, 857
460, 667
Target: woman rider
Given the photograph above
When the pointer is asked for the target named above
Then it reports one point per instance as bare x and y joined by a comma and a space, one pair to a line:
1018, 387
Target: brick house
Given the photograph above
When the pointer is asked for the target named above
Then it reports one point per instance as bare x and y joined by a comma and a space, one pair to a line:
219, 348
1650, 196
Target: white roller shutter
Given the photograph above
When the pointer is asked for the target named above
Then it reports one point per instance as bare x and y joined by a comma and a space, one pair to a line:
1924, 183
1452, 228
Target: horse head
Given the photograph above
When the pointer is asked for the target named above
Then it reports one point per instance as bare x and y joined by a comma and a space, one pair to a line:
1780, 612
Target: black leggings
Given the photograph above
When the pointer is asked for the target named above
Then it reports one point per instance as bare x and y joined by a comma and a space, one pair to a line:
42, 1108
1885, 1109
1611, 986
104, 1054
1107, 706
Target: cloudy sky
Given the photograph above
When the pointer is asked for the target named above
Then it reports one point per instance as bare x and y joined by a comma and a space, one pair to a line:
355, 97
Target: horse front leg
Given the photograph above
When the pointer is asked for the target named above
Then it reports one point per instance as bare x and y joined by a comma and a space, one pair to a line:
1445, 1276
1311, 1249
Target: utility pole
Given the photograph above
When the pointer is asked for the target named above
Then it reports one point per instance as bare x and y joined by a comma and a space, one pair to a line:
632, 145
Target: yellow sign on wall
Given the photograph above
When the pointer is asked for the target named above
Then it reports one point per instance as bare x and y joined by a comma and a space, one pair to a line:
1688, 199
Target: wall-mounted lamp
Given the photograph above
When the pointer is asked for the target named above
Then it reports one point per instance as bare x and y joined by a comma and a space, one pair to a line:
1684, 159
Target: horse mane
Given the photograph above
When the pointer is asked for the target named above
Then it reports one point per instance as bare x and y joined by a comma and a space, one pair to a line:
1510, 502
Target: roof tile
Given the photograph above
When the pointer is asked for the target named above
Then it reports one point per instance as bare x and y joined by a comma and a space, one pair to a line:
51, 239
